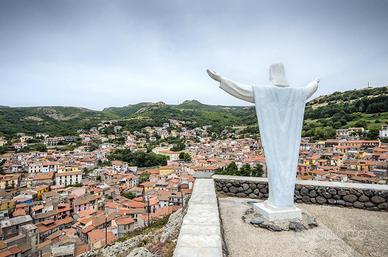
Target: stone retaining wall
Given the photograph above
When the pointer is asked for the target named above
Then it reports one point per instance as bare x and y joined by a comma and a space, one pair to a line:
363, 196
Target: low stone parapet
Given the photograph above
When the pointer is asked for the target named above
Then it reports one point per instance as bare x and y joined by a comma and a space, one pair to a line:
363, 196
200, 234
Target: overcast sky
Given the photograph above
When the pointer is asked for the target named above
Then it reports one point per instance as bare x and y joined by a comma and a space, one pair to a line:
97, 54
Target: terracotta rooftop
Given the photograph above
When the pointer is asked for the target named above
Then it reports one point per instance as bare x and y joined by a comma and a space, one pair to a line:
124, 221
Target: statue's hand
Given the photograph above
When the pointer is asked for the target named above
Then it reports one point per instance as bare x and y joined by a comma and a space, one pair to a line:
312, 87
214, 75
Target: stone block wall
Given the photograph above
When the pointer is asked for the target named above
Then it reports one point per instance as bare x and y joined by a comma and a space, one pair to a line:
356, 195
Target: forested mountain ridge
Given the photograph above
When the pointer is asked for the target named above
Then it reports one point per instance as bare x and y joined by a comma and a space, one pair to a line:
54, 120
363, 107
348, 96
366, 108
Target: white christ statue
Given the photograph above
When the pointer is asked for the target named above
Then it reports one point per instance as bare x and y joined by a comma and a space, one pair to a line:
280, 110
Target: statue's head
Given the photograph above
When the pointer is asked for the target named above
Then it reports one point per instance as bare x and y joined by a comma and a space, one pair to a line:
277, 75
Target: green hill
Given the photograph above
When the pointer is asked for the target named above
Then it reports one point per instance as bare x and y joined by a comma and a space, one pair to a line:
131, 109
364, 107
193, 112
55, 120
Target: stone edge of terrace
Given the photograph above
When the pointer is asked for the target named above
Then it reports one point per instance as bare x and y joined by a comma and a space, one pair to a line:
309, 182
200, 234
362, 196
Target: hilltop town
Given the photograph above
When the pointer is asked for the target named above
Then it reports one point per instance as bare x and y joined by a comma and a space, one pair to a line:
74, 181
81, 192
193, 128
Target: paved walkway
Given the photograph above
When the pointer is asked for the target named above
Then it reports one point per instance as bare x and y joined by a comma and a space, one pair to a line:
342, 232
200, 234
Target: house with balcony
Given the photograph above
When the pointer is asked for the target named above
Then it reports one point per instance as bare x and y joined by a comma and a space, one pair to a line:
68, 178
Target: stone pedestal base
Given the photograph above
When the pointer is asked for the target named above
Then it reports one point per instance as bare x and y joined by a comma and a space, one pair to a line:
272, 213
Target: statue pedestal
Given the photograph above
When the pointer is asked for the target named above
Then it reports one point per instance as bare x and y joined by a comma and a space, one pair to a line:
272, 213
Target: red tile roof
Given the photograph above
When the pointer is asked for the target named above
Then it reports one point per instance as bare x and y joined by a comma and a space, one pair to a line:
124, 221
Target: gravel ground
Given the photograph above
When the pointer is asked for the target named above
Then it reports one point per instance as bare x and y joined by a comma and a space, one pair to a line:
342, 232
365, 231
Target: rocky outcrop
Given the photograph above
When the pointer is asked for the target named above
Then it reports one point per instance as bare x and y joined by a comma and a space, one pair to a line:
338, 194
141, 252
140, 245
257, 220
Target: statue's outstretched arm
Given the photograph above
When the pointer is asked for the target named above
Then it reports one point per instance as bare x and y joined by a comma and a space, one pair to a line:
311, 88
232, 87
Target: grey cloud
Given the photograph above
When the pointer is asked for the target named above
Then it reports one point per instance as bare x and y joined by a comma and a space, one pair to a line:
112, 53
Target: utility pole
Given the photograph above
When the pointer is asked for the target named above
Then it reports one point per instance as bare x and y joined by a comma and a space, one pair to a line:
106, 230
148, 211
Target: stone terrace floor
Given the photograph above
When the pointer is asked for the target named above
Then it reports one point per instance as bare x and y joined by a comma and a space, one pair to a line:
342, 232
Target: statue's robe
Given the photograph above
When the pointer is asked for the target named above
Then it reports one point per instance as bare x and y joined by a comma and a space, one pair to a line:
280, 114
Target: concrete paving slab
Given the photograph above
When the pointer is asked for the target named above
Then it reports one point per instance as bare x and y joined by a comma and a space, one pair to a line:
243, 239
197, 252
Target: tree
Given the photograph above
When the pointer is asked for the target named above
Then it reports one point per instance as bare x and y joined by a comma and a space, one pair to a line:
129, 195
361, 123
85, 171
144, 177
75, 185
41, 148
34, 147
3, 149
178, 147
324, 132
185, 157
245, 170
257, 171
232, 169
138, 158
372, 134
101, 163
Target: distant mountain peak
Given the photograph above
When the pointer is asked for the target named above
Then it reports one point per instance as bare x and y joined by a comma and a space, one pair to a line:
192, 102
160, 103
